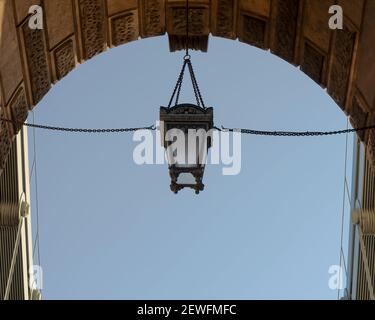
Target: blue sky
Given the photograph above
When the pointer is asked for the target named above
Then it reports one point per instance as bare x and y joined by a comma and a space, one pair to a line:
110, 229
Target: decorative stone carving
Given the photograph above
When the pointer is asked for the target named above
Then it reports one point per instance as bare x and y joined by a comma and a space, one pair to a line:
198, 26
195, 43
370, 148
5, 141
253, 30
358, 117
125, 28
92, 16
153, 17
343, 47
286, 15
223, 23
37, 62
198, 21
65, 60
19, 109
313, 63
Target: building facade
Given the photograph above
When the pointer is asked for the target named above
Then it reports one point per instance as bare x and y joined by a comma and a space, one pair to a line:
360, 266
17, 280
361, 256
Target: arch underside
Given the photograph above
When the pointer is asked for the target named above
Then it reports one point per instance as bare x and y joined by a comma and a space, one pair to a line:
31, 61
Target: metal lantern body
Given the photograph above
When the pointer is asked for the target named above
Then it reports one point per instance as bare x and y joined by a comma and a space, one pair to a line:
187, 127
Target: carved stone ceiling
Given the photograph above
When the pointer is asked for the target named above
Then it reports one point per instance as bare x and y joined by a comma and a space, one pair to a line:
31, 61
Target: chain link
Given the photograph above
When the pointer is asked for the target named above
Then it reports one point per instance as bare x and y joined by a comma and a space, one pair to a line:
296, 133
187, 61
177, 89
153, 128
80, 130
197, 91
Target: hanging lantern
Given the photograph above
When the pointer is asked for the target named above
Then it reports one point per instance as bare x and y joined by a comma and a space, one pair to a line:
185, 133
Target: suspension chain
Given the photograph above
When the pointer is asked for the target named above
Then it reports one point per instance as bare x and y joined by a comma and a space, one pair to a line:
187, 61
197, 91
177, 89
153, 128
296, 133
80, 130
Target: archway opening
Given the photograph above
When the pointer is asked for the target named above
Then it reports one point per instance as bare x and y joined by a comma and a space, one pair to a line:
269, 232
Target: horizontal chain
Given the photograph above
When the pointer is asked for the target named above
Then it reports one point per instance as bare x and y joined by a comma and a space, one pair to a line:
79, 130
296, 133
244, 131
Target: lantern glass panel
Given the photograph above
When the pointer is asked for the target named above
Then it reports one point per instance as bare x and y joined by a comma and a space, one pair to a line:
193, 147
186, 178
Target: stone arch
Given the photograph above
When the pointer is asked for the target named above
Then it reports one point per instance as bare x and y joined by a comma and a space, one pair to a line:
31, 61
